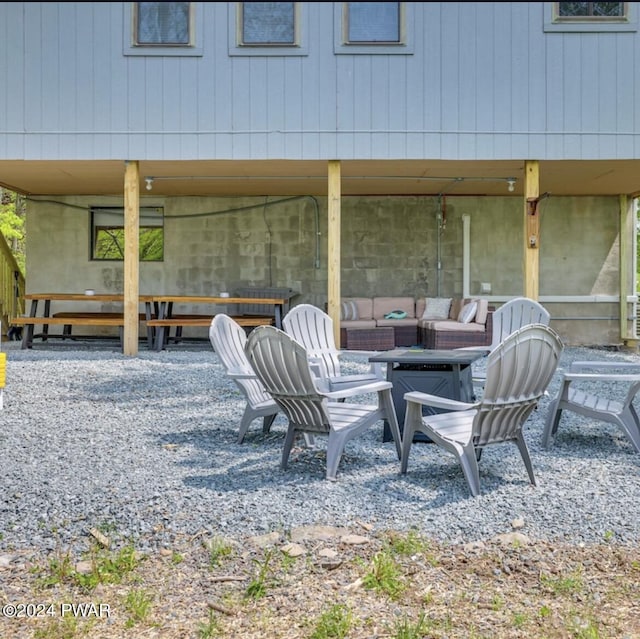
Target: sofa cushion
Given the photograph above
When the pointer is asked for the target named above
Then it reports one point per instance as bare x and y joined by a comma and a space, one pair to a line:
364, 306
452, 325
437, 308
468, 312
384, 305
349, 310
407, 321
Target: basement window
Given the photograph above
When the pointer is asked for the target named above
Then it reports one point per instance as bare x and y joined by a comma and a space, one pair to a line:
107, 234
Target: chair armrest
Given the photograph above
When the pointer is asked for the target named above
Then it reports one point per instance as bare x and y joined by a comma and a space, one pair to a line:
602, 377
233, 375
577, 367
437, 402
354, 391
374, 367
476, 349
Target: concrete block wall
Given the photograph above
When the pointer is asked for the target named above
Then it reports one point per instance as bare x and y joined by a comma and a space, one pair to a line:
390, 246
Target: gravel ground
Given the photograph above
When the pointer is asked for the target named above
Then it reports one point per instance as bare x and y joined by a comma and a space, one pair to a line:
145, 447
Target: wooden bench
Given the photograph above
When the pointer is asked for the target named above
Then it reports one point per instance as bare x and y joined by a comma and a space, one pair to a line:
204, 321
69, 319
91, 314
142, 317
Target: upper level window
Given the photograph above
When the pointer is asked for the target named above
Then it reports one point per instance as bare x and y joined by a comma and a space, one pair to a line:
373, 27
591, 10
268, 23
589, 16
163, 28
162, 23
368, 22
267, 28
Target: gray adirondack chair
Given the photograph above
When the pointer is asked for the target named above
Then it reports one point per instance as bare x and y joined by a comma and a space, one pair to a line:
282, 364
228, 340
519, 370
573, 397
313, 328
512, 315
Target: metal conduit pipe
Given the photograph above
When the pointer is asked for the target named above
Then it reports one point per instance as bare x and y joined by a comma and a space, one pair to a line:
441, 221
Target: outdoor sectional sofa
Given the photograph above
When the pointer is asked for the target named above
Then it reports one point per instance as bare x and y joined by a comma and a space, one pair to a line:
365, 323
452, 332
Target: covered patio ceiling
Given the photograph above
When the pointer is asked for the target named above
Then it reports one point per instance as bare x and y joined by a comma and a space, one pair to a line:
289, 177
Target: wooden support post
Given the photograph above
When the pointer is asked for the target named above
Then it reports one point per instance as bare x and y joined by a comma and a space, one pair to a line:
333, 235
627, 229
531, 264
131, 257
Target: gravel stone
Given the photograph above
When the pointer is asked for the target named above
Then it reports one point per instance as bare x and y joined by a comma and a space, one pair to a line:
144, 449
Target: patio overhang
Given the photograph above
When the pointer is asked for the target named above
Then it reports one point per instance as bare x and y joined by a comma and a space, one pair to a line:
309, 177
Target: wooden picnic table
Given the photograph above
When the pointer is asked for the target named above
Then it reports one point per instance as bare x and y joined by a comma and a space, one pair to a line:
159, 315
67, 319
167, 318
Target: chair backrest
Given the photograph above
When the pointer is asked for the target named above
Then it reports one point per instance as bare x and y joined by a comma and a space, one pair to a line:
514, 314
518, 373
313, 329
228, 340
282, 365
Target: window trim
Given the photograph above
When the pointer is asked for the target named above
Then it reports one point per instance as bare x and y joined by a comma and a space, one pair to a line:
299, 46
193, 49
553, 22
404, 47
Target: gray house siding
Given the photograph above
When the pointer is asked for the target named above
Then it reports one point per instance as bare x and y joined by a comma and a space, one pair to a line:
482, 81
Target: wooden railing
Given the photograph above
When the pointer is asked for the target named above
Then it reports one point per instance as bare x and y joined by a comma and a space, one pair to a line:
11, 286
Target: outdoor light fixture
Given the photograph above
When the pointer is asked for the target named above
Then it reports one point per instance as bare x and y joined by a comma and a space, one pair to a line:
511, 184
149, 181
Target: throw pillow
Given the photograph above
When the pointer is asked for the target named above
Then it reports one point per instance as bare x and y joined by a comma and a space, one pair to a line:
396, 315
437, 308
349, 310
468, 312
482, 311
